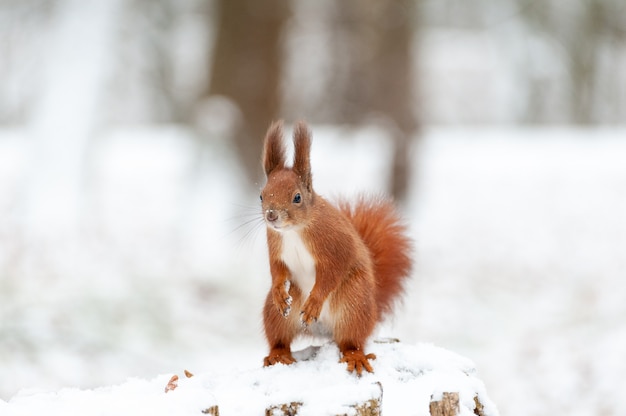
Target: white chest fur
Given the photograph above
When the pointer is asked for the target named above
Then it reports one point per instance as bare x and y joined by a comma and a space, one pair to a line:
301, 264
298, 259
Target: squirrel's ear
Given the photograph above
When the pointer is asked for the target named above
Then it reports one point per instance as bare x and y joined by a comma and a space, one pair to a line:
273, 148
302, 161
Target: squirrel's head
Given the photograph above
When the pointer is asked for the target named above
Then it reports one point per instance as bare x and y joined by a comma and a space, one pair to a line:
288, 194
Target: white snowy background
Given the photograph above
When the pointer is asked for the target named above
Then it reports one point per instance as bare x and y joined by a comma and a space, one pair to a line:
126, 251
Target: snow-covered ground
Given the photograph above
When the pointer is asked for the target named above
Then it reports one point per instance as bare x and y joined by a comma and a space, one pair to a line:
520, 261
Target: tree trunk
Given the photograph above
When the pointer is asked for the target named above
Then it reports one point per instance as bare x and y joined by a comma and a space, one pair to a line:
375, 78
247, 69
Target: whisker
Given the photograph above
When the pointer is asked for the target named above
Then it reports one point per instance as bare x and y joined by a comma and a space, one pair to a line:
244, 224
247, 221
251, 233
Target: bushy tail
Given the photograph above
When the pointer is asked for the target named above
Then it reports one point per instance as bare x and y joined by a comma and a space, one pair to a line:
384, 234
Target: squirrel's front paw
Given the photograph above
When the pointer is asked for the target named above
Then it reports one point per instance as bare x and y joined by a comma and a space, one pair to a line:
310, 312
282, 299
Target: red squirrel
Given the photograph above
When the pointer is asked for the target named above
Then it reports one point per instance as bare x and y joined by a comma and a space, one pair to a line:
336, 270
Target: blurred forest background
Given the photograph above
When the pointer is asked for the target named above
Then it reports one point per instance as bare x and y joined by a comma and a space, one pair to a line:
225, 68
130, 137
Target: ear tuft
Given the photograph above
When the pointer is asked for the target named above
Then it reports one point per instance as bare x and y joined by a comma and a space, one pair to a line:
273, 148
302, 161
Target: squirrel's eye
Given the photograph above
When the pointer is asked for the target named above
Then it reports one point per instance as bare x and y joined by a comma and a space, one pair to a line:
297, 198
261, 198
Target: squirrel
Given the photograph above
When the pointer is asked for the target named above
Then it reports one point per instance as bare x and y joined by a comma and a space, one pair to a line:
341, 268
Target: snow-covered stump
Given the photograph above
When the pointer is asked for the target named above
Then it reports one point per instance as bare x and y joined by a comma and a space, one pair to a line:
417, 380
370, 407
420, 380
286, 409
449, 406
213, 411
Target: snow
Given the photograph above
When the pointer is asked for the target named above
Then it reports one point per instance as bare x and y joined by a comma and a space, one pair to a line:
133, 397
409, 375
520, 238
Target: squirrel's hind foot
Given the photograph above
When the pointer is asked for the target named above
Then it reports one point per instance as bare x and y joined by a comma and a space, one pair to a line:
279, 356
358, 361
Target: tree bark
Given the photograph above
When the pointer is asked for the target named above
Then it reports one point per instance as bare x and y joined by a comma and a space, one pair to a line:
247, 68
447, 406
374, 67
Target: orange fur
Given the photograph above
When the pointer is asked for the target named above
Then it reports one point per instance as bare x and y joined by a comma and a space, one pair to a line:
335, 271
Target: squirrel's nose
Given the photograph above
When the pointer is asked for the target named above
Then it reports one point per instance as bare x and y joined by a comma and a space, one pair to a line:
271, 215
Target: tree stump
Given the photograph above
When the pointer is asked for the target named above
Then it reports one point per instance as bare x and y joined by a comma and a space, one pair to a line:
420, 379
287, 409
213, 411
371, 407
447, 406
478, 410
